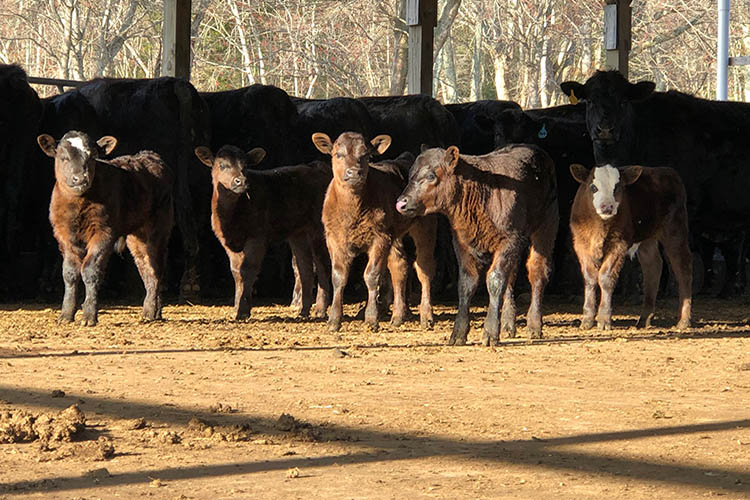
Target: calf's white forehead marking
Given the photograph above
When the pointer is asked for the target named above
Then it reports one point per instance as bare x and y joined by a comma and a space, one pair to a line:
605, 180
77, 143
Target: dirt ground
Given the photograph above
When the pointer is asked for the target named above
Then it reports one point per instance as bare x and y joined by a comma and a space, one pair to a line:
200, 407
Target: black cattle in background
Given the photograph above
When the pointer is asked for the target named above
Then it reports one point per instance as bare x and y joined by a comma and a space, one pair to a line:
20, 112
332, 117
256, 116
705, 141
561, 132
476, 121
165, 115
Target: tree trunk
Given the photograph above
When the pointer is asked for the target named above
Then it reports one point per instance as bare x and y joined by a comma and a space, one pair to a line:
476, 62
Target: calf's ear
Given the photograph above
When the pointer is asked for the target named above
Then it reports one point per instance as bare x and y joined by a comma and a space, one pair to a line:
640, 90
48, 144
579, 172
573, 90
629, 175
423, 148
451, 158
107, 143
205, 155
255, 156
381, 143
322, 142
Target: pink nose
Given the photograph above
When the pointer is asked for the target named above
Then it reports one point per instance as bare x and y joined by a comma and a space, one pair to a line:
400, 205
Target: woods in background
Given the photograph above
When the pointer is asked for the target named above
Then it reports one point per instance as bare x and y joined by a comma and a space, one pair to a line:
484, 49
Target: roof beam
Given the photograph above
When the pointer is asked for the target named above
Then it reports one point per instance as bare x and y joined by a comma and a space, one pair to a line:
176, 39
617, 38
421, 17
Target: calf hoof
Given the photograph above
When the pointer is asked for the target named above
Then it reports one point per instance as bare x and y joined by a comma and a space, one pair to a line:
241, 315
457, 339
644, 321
397, 320
683, 324
490, 339
534, 332
509, 330
427, 323
334, 325
88, 321
604, 325
64, 319
587, 323
318, 312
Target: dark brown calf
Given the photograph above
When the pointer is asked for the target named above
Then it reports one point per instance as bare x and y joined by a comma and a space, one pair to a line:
95, 202
496, 204
619, 211
359, 215
251, 209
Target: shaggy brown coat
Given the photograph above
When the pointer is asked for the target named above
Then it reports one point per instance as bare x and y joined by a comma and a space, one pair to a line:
95, 203
651, 209
496, 203
251, 209
359, 216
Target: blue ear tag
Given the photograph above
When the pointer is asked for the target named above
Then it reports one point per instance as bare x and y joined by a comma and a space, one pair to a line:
542, 131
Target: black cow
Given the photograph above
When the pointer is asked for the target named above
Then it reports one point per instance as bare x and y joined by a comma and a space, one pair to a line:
20, 111
331, 117
168, 116
256, 116
476, 121
704, 140
412, 120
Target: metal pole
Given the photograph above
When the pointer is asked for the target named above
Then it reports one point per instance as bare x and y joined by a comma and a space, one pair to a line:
722, 52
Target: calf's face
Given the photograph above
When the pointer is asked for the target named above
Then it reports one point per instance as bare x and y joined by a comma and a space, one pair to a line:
609, 109
229, 164
350, 155
75, 158
428, 177
604, 186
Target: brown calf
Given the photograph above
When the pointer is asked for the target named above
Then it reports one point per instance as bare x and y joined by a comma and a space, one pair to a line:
496, 204
251, 209
613, 215
359, 216
95, 202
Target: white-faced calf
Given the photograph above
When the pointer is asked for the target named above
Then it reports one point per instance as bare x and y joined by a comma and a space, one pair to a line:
251, 209
360, 216
97, 201
497, 204
619, 211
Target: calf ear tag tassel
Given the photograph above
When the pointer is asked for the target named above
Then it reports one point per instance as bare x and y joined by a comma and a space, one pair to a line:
572, 97
542, 131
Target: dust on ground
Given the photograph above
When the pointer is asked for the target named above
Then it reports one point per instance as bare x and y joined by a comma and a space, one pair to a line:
199, 406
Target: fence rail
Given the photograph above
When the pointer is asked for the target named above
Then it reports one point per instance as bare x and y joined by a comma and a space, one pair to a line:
60, 83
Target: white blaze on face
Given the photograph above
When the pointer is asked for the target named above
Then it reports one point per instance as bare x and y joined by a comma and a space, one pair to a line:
605, 180
77, 143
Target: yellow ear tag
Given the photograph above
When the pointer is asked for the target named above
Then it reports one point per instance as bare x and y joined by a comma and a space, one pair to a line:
573, 98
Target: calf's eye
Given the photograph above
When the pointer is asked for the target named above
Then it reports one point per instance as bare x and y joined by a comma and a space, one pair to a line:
431, 177
594, 189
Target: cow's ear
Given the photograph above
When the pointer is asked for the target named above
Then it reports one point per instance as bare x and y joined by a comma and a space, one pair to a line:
640, 90
381, 143
573, 90
322, 142
48, 145
579, 172
451, 158
255, 156
205, 155
629, 175
107, 143
423, 148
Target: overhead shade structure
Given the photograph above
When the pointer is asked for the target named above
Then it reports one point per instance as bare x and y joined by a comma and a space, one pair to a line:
722, 52
421, 17
176, 39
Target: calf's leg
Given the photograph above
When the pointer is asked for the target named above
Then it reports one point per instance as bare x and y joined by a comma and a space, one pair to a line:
496, 281
146, 257
304, 272
377, 257
245, 266
424, 234
323, 274
508, 313
590, 273
71, 272
608, 273
680, 259
468, 278
398, 267
539, 268
92, 273
341, 261
651, 265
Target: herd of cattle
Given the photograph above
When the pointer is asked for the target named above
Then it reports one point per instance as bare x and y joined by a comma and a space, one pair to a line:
620, 173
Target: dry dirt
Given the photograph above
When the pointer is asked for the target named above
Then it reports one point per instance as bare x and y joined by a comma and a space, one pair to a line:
201, 407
